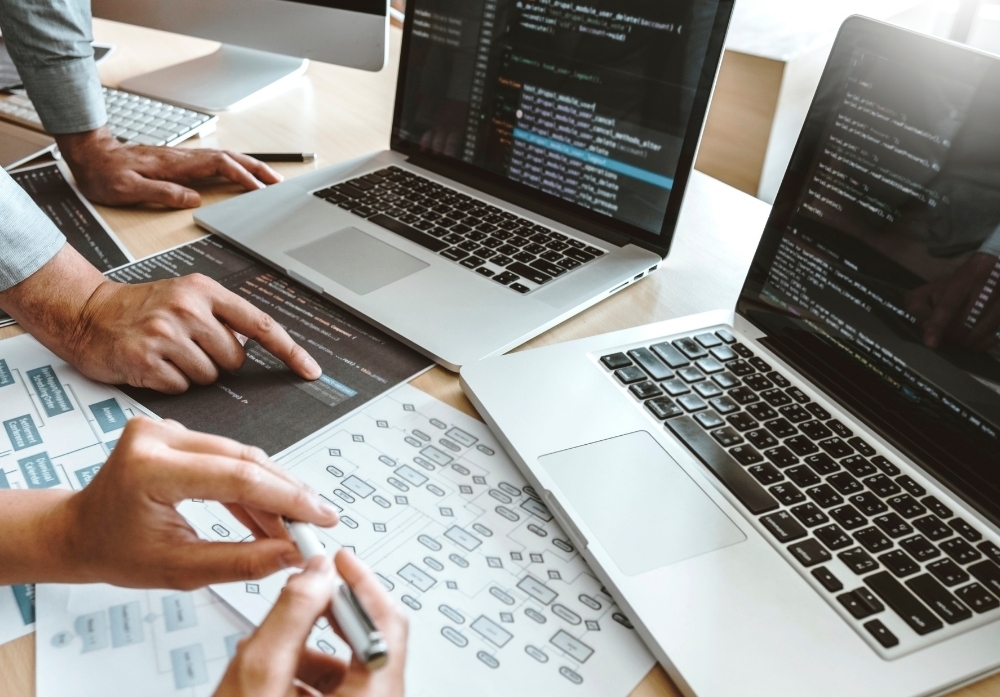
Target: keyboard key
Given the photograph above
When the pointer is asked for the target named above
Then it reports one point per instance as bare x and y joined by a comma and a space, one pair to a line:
827, 579
932, 527
726, 336
848, 517
907, 482
833, 537
836, 448
795, 413
751, 494
743, 395
651, 364
760, 364
725, 380
781, 428
814, 429
628, 375
726, 437
519, 288
965, 530
765, 473
723, 405
896, 596
843, 482
579, 255
645, 390
743, 350
708, 340
525, 258
990, 550
690, 348
822, 464
742, 422
740, 368
960, 550
809, 552
692, 402
809, 515
987, 573
669, 355
797, 394
781, 456
675, 387
881, 485
709, 420
920, 548
758, 382
775, 397
977, 598
868, 503
454, 253
801, 446
409, 233
709, 365
787, 494
859, 466
783, 526
840, 429
892, 525
472, 262
502, 260
761, 439
862, 447
873, 540
881, 633
818, 411
547, 267
663, 408
860, 603
906, 505
803, 476
746, 455
886, 466
947, 606
525, 271
723, 353
948, 572
779, 379
936, 507
858, 561
615, 361
823, 495
707, 390
506, 278
690, 374
899, 563
485, 272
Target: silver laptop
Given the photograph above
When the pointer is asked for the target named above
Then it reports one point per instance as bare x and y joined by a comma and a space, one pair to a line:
538, 160
802, 496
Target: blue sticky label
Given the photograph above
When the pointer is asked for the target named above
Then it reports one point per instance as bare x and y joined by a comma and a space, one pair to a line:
178, 612
126, 625
4, 484
38, 471
24, 596
22, 432
93, 629
109, 415
5, 376
337, 385
50, 392
189, 668
87, 474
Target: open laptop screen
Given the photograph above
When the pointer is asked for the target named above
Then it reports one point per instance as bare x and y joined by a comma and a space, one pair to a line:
593, 105
878, 271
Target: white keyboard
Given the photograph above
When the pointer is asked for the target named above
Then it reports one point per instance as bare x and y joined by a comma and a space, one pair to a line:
131, 118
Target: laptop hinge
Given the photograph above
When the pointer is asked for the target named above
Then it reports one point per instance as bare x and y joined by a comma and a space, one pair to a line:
487, 187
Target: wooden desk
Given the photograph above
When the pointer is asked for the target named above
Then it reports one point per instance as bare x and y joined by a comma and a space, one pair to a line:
341, 113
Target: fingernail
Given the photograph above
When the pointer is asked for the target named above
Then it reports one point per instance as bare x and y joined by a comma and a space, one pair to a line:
319, 563
329, 511
292, 558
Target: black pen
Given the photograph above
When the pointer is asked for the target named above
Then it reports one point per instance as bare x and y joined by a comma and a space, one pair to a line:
282, 156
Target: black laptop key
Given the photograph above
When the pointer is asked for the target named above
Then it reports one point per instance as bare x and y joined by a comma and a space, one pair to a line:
803, 476
743, 350
809, 515
594, 251
823, 495
899, 563
723, 405
822, 464
775, 397
797, 394
862, 447
840, 429
743, 395
833, 537
615, 361
690, 348
740, 368
746, 455
663, 408
781, 456
904, 603
520, 288
887, 467
858, 561
936, 507
761, 439
727, 437
410, 233
783, 526
709, 365
645, 390
987, 573
977, 598
920, 548
758, 382
751, 494
947, 606
779, 379
692, 402
629, 374
781, 428
454, 253
860, 603
690, 374
489, 273
472, 262
836, 447
547, 267
990, 550
906, 505
725, 380
742, 421
726, 336
801, 446
765, 473
815, 429
848, 516
868, 503
809, 552
669, 355
795, 413
452, 238
907, 482
932, 527
526, 258
675, 387
708, 340
707, 390
723, 353
761, 412
844, 483
859, 466
881, 633
880, 484
827, 579
760, 364
818, 411
651, 364
892, 525
960, 550
579, 255
787, 494
525, 271
709, 420
965, 530
948, 572
506, 278
873, 540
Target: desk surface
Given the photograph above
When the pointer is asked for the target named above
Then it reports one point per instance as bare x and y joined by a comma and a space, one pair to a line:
341, 113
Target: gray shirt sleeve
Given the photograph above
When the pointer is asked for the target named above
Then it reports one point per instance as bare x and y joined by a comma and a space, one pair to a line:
28, 238
50, 43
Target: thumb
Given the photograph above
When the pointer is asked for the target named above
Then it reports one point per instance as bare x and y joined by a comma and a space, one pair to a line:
204, 563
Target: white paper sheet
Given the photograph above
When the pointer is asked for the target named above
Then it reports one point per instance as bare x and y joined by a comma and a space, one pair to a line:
499, 601
102, 641
58, 428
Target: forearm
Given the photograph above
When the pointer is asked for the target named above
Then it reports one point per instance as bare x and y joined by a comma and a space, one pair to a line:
35, 533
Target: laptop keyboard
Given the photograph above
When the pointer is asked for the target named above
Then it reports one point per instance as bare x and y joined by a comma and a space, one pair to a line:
903, 567
496, 244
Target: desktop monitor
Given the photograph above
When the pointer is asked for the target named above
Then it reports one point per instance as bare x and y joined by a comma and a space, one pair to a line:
264, 42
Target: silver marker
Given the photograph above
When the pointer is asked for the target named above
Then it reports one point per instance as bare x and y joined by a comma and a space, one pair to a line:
366, 641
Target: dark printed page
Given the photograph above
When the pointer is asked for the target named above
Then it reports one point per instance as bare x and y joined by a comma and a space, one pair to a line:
265, 403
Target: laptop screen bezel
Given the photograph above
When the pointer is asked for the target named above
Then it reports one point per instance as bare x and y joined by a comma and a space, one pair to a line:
552, 206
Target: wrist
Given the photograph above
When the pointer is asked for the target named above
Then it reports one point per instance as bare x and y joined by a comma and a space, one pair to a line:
38, 541
67, 541
78, 148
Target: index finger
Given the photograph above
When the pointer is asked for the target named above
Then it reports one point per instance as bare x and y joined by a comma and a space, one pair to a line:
261, 327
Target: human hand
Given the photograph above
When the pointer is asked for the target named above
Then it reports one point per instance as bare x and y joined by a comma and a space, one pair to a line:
274, 662
110, 172
124, 528
944, 307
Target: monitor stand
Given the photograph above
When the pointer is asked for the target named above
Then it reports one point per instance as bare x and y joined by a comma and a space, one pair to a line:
227, 79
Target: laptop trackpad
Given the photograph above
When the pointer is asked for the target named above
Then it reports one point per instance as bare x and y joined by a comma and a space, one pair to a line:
644, 509
356, 260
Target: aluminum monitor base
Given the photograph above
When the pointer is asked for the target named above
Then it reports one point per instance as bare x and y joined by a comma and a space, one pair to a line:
220, 81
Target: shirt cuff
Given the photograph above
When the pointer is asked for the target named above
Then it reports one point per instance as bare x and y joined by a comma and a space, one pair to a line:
67, 96
992, 244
